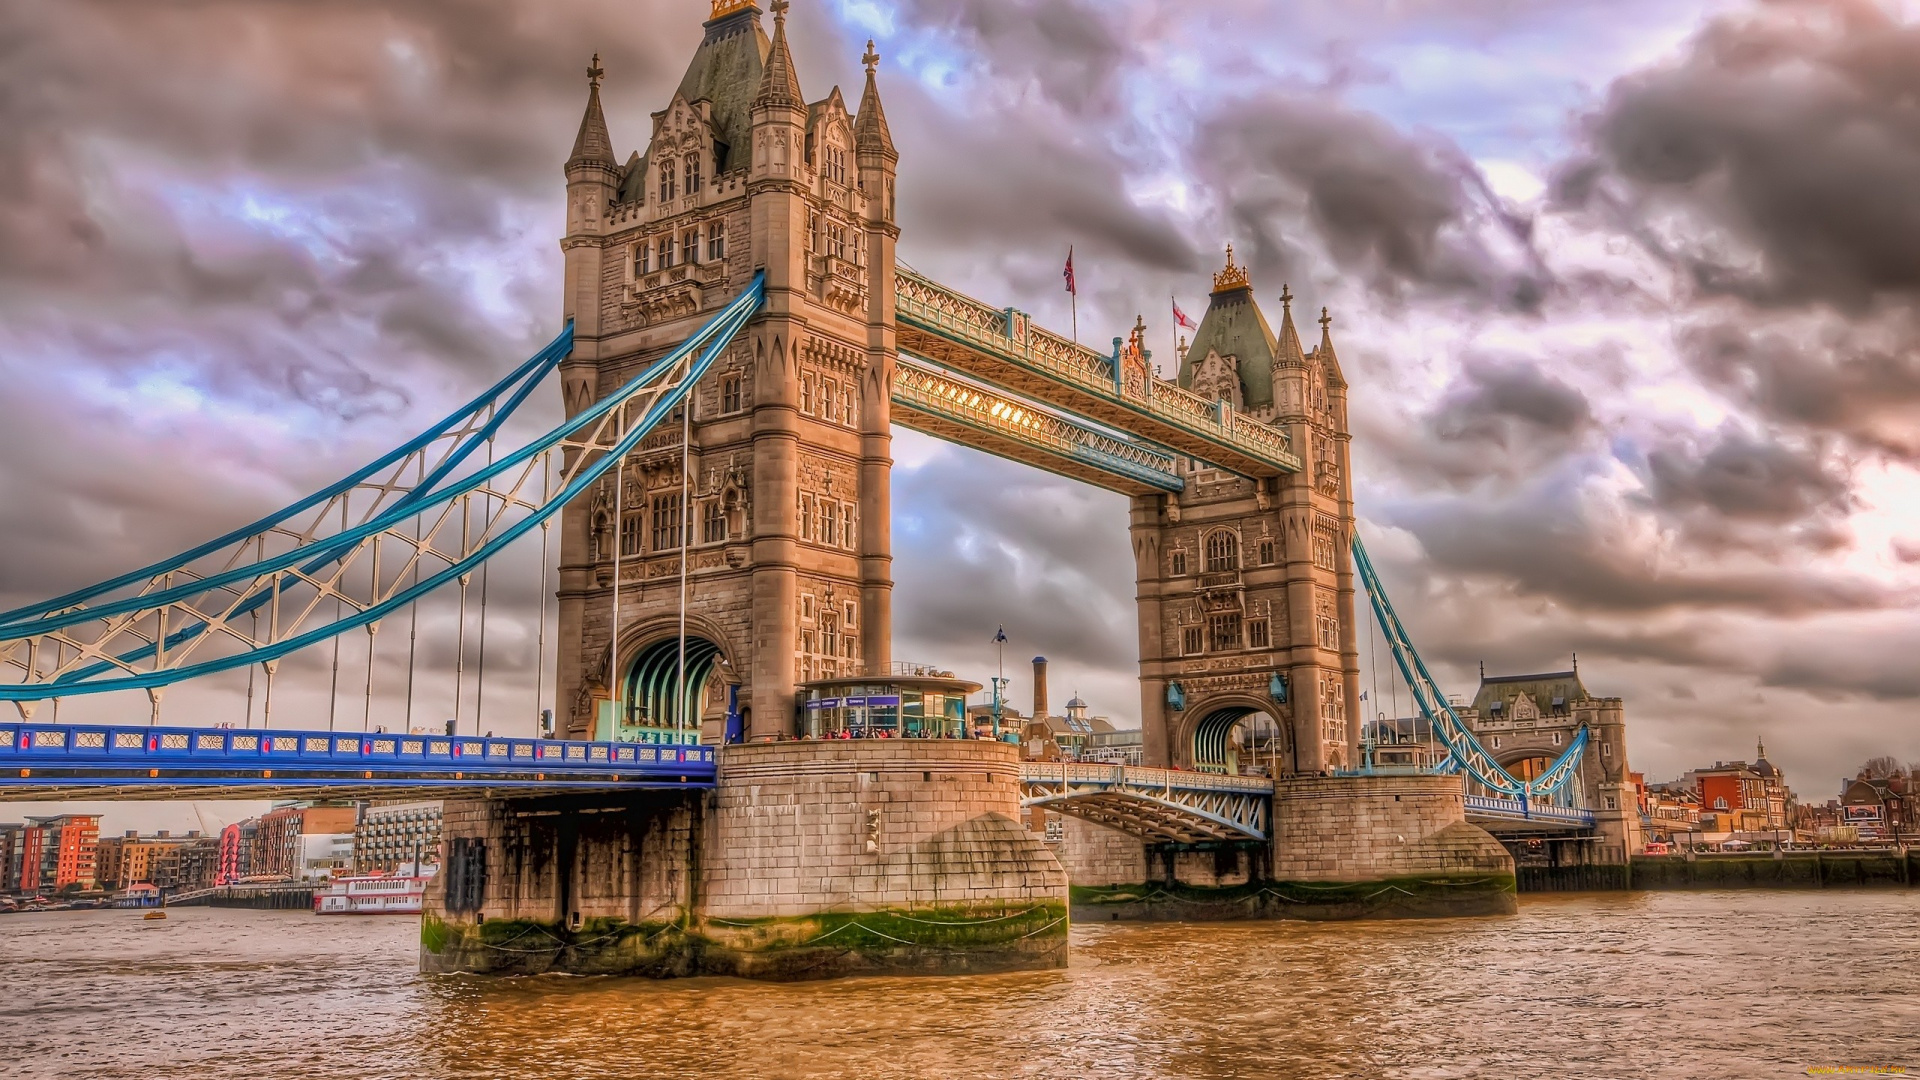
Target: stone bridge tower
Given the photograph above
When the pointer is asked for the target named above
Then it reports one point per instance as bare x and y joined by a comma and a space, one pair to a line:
1246, 587
783, 520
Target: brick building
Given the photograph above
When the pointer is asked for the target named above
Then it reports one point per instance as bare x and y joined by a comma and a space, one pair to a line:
59, 851
282, 843
1881, 808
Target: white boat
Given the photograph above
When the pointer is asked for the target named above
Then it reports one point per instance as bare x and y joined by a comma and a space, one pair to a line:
371, 896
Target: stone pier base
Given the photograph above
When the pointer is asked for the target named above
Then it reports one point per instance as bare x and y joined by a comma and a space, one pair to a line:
1365, 847
811, 859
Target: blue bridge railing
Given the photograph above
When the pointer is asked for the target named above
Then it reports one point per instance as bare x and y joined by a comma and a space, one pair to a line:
41, 756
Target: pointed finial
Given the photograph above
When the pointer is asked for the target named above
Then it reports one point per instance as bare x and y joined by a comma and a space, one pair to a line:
779, 9
594, 71
1229, 254
1233, 277
871, 59
1325, 320
1286, 296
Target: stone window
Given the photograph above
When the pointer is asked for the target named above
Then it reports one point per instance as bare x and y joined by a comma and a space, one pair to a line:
1223, 551
691, 174
1223, 631
633, 529
1496, 742
1610, 803
1266, 551
1326, 543
829, 636
690, 244
730, 392
716, 242
849, 405
848, 612
806, 531
667, 175
836, 167
847, 531
806, 609
829, 526
713, 522
837, 241
1556, 738
666, 522
1179, 562
806, 394
1191, 643
1258, 634
642, 258
830, 400
814, 242
666, 251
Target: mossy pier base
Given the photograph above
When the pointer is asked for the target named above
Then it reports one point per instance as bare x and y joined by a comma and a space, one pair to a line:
809, 860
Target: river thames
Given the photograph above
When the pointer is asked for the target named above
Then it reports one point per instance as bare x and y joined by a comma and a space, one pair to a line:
1747, 984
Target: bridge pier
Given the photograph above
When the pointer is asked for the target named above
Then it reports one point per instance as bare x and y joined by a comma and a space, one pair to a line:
1342, 847
810, 859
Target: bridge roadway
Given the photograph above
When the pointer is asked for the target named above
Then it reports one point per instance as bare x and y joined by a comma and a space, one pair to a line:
1177, 806
83, 762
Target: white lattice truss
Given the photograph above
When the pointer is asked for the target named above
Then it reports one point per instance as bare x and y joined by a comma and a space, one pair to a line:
1157, 805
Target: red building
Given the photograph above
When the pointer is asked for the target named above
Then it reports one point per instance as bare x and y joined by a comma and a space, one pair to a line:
59, 851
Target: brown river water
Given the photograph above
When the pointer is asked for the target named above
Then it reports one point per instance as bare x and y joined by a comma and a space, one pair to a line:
1730, 984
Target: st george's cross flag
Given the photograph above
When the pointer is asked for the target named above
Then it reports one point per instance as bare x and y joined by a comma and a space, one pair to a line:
1180, 317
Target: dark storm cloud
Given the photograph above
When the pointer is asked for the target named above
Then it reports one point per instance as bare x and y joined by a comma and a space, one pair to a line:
1502, 417
1555, 541
1860, 381
1400, 212
1789, 133
1070, 51
981, 543
1745, 477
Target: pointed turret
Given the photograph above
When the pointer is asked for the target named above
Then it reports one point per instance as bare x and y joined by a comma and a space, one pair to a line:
779, 84
870, 132
593, 145
1325, 351
1287, 351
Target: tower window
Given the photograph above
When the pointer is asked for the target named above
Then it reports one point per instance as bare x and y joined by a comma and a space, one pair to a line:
830, 400
1223, 551
692, 174
666, 522
633, 529
667, 191
1191, 643
642, 259
1179, 563
828, 526
713, 523
848, 612
716, 242
1223, 630
1258, 634
666, 251
806, 394
806, 521
1266, 551
730, 392
837, 241
690, 243
836, 168
847, 532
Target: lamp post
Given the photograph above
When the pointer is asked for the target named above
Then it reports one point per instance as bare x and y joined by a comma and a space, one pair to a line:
999, 680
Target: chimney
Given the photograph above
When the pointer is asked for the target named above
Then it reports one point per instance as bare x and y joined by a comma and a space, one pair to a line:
1039, 688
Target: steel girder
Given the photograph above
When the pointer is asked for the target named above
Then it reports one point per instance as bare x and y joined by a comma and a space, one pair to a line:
934, 400
1003, 347
1465, 753
263, 609
1157, 805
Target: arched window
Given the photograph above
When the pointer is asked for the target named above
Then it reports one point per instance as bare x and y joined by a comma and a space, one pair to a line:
667, 175
692, 174
1179, 563
1223, 551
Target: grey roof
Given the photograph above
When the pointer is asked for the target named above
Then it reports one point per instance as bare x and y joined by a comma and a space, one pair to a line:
593, 143
726, 70
1543, 688
870, 131
1235, 326
779, 83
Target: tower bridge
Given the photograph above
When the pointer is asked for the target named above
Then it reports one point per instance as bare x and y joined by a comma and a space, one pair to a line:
739, 341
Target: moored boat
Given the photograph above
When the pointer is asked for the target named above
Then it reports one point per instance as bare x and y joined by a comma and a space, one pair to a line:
372, 895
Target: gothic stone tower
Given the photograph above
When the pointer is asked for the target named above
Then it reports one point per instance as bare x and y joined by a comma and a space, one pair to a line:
786, 510
1246, 586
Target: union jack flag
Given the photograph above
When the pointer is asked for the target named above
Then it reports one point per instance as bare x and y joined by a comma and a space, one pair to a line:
1068, 272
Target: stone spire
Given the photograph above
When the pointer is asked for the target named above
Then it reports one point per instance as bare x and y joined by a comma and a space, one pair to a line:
779, 85
870, 123
1287, 351
593, 144
1325, 350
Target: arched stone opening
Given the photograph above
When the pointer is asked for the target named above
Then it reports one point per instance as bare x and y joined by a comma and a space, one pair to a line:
654, 701
1240, 738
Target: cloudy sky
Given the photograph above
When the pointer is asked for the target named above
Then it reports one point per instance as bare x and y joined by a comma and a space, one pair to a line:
1628, 292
